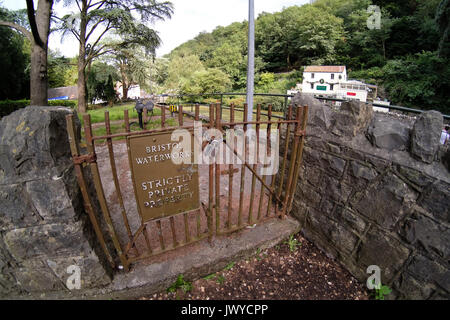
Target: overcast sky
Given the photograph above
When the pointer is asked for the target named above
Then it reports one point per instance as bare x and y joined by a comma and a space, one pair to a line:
189, 19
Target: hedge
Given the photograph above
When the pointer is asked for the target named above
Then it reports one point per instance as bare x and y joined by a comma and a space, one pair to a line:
9, 106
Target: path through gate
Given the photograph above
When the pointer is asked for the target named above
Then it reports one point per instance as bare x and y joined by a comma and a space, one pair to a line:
151, 206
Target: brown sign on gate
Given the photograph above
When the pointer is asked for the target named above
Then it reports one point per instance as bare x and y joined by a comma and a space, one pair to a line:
162, 187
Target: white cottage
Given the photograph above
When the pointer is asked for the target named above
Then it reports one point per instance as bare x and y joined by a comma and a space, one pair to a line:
323, 80
332, 82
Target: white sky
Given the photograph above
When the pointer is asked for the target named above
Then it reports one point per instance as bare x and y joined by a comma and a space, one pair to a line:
189, 19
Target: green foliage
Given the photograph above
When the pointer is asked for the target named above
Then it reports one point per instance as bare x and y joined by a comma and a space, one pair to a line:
220, 279
381, 291
9, 106
14, 58
100, 82
229, 266
62, 71
292, 243
421, 80
180, 283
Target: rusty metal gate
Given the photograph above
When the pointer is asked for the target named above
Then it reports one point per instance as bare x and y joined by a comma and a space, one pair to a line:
231, 196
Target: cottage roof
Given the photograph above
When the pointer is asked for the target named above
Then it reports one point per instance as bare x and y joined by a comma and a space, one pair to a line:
333, 69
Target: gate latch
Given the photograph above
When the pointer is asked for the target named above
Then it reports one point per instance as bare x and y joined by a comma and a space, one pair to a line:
88, 158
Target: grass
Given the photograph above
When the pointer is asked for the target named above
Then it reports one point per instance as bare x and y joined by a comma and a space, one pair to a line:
180, 283
292, 243
116, 113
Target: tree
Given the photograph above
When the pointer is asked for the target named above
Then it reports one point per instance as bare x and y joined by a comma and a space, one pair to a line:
39, 23
123, 18
14, 61
443, 21
211, 80
100, 83
132, 64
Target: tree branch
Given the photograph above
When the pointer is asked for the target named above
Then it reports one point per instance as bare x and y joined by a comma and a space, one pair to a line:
19, 28
94, 27
33, 25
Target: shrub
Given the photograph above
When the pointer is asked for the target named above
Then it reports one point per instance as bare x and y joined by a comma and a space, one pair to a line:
9, 106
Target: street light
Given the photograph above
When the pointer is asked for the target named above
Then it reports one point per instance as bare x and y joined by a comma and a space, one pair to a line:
251, 59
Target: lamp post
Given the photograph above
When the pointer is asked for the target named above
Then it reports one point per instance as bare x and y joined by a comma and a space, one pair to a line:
251, 59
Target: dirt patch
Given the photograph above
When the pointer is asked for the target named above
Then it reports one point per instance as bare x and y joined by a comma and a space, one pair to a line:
279, 273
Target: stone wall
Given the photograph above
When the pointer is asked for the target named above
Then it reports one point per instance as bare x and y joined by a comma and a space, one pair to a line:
43, 227
373, 191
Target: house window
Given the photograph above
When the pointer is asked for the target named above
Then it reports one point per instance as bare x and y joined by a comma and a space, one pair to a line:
332, 77
340, 77
312, 75
312, 85
331, 87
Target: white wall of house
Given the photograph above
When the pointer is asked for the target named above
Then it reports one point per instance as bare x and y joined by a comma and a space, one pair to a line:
322, 83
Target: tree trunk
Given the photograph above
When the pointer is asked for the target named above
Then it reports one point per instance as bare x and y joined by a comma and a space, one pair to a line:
81, 84
38, 77
125, 84
38, 72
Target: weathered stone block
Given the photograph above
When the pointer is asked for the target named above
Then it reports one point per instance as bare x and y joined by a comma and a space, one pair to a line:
36, 277
387, 133
425, 136
436, 200
335, 190
428, 270
360, 171
51, 200
386, 202
92, 275
351, 219
46, 240
336, 234
35, 142
413, 289
387, 253
319, 115
432, 236
417, 177
353, 118
15, 209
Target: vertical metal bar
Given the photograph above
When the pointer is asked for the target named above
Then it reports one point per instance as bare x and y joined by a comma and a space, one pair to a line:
186, 228
262, 193
255, 165
158, 222
115, 177
144, 120
197, 117
230, 168
286, 145
75, 150
292, 163
242, 185
127, 120
147, 240
174, 234
211, 180
301, 130
180, 115
163, 116
100, 193
219, 128
272, 185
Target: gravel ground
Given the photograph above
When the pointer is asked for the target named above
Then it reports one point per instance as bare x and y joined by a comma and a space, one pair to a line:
294, 270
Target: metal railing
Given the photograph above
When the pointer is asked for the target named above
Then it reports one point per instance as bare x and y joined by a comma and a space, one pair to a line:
288, 96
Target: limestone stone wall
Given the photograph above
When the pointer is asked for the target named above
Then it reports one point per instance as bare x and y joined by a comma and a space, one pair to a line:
43, 226
374, 191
